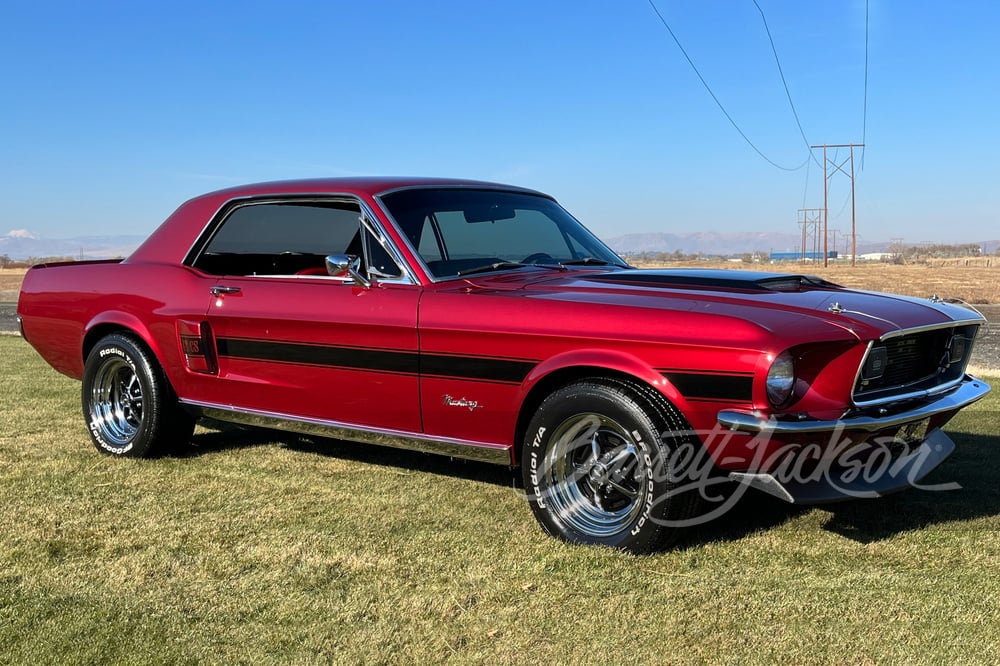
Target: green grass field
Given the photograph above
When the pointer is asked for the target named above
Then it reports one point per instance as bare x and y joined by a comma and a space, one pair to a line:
258, 547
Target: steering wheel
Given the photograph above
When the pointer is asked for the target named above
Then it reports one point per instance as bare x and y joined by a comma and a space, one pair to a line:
538, 258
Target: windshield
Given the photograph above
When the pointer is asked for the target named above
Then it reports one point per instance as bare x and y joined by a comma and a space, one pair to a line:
459, 231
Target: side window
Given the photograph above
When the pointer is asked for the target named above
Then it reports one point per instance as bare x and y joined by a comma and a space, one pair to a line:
286, 238
380, 262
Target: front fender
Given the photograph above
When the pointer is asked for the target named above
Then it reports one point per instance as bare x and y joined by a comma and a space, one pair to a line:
617, 362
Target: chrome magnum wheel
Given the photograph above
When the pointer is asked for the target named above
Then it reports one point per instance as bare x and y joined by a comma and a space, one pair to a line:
595, 475
128, 404
116, 402
596, 466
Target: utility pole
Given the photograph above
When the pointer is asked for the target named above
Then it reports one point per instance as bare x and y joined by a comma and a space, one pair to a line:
896, 247
809, 218
838, 166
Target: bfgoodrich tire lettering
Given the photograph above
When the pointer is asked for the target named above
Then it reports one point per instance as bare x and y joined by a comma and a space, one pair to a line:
129, 406
596, 466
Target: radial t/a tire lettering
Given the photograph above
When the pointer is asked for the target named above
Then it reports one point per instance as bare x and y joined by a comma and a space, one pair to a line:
596, 463
128, 404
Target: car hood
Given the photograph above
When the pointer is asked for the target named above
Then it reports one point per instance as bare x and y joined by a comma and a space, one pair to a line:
773, 301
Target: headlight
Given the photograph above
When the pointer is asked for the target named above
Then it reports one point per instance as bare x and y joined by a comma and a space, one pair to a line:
781, 379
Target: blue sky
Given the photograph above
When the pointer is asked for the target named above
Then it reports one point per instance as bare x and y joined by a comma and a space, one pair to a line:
112, 113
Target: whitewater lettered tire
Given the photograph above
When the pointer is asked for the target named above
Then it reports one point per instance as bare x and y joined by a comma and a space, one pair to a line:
128, 404
597, 461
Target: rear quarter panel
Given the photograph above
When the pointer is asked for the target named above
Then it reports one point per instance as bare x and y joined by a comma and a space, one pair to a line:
60, 305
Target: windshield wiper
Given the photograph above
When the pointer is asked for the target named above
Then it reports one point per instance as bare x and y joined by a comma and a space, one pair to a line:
588, 261
505, 265
496, 266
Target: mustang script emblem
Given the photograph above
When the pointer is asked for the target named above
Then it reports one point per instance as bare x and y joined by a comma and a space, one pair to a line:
471, 405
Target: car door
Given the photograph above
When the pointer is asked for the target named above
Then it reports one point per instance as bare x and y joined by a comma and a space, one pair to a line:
291, 340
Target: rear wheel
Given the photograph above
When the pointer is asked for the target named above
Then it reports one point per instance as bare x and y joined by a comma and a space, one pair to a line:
128, 403
597, 465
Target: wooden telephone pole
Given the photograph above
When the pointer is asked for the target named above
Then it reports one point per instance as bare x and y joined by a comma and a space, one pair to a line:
838, 166
809, 220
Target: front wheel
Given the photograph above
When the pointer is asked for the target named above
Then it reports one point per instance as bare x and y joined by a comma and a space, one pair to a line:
128, 403
597, 465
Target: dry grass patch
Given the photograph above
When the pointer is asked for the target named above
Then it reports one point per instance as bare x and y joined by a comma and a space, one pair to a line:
10, 278
10, 283
975, 284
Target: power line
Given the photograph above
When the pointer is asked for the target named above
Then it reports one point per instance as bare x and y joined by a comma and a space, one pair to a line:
716, 99
805, 190
864, 112
781, 73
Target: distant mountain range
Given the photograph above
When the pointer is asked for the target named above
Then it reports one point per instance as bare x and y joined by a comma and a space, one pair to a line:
706, 242
20, 244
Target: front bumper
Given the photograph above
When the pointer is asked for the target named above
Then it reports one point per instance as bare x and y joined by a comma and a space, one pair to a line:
966, 393
832, 481
840, 483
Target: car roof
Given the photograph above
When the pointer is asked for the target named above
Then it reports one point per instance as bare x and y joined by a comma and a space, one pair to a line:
172, 240
358, 185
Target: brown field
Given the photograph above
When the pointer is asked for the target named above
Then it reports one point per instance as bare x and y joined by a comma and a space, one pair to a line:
976, 280
10, 278
10, 283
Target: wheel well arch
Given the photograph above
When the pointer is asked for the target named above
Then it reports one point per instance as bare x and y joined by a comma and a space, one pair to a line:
563, 377
95, 334
134, 329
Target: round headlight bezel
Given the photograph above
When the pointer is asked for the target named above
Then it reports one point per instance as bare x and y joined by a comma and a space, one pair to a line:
781, 379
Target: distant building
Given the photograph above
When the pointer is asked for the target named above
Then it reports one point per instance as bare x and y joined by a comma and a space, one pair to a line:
777, 257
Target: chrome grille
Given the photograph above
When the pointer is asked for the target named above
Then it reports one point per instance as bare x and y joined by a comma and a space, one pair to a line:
914, 362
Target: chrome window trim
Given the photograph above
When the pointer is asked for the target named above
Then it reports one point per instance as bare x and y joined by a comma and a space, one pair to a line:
406, 276
498, 454
924, 393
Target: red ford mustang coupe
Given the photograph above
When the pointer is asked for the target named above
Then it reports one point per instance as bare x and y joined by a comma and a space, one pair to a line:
483, 321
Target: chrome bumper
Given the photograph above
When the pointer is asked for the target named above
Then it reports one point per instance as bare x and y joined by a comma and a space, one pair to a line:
837, 484
966, 393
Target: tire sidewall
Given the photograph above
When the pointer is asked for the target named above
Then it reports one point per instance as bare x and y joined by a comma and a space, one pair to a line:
109, 349
565, 403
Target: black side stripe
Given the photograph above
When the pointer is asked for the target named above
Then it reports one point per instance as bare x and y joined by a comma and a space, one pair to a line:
492, 369
340, 357
378, 360
697, 386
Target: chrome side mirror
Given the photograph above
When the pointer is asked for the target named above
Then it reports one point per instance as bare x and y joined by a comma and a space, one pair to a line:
339, 264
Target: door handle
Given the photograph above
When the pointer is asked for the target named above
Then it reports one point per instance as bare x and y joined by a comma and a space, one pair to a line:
219, 291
